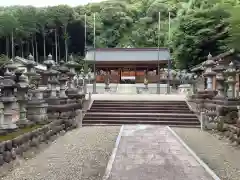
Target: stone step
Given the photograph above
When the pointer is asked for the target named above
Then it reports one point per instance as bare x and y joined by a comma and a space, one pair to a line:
138, 118
130, 121
180, 126
139, 110
172, 113
138, 102
140, 115
140, 107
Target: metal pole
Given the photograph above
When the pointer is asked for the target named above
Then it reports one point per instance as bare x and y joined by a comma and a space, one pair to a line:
85, 52
85, 34
158, 66
169, 63
94, 62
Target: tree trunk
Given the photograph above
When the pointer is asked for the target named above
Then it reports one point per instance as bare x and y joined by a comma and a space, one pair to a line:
56, 47
7, 46
12, 39
36, 48
44, 45
33, 50
66, 43
59, 51
52, 49
28, 47
21, 44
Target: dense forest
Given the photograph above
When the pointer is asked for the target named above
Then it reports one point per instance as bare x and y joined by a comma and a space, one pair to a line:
196, 28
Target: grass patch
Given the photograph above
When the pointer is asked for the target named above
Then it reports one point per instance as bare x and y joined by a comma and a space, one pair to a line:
12, 135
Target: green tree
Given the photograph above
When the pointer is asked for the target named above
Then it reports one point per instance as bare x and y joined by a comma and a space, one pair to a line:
199, 33
8, 25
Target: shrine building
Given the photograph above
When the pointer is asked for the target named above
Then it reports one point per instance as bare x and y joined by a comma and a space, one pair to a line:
128, 64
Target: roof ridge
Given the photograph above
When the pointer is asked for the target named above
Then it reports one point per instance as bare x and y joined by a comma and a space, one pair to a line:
130, 49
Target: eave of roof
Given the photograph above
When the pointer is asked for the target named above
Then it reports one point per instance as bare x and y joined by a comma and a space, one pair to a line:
127, 54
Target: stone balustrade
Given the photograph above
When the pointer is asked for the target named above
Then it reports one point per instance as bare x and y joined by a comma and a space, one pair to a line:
42, 113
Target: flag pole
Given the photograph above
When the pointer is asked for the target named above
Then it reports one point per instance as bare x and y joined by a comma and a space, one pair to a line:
94, 46
158, 65
169, 40
85, 34
85, 53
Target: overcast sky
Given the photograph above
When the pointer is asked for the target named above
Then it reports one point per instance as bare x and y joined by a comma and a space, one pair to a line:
41, 3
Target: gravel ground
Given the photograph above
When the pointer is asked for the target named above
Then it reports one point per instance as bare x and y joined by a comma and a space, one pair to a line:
219, 154
81, 154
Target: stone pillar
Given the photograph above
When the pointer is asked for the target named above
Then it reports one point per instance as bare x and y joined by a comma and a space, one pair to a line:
219, 68
231, 80
7, 85
22, 89
209, 73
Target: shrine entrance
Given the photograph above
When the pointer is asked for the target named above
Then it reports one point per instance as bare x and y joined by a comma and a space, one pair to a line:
127, 76
129, 70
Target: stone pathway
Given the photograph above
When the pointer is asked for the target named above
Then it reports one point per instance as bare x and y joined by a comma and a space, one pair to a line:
153, 153
126, 89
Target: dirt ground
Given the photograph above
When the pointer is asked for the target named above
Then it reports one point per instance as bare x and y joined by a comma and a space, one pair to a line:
81, 154
218, 153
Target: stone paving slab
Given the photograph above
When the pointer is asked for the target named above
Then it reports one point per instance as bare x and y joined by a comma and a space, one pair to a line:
154, 153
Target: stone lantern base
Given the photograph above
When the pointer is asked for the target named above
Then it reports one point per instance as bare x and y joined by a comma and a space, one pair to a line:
37, 111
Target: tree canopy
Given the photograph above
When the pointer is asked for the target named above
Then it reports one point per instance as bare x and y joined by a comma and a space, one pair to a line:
197, 27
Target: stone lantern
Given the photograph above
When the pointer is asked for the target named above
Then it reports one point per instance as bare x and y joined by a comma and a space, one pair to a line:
83, 77
231, 80
63, 80
52, 76
37, 106
30, 64
22, 89
145, 80
89, 75
72, 91
209, 73
53, 81
11, 66
49, 64
107, 81
219, 69
8, 99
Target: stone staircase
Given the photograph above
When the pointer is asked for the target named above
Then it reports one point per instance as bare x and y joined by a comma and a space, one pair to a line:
171, 113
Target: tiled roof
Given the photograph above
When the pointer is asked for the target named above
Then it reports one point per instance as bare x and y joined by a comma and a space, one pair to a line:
128, 54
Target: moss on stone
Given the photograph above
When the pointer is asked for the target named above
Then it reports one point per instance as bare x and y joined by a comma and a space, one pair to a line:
12, 135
